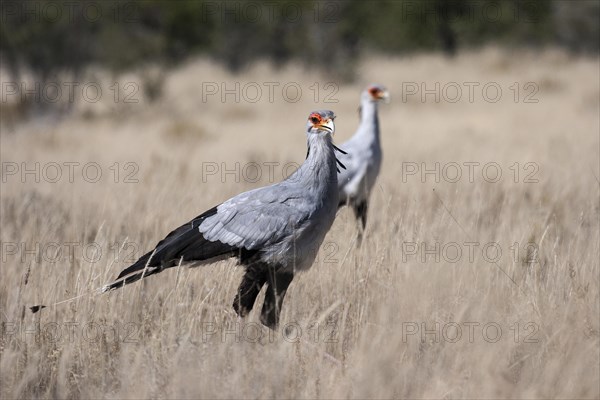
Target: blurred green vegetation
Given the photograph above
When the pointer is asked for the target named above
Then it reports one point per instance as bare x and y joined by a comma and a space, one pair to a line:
46, 37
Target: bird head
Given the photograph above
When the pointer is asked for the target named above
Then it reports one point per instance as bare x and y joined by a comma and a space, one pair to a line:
376, 93
321, 122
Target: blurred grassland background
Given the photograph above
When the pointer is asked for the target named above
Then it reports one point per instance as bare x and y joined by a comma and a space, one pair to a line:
175, 335
48, 37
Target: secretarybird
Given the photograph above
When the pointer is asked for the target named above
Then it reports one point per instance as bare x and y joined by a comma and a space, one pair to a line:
363, 158
274, 231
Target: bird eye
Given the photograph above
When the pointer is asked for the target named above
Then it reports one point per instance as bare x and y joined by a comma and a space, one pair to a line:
315, 120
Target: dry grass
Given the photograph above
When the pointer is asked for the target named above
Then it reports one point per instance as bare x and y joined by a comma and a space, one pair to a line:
365, 302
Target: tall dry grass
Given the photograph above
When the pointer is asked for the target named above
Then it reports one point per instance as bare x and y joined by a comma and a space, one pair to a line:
371, 322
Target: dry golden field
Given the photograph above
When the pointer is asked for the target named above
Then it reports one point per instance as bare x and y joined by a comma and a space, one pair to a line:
472, 286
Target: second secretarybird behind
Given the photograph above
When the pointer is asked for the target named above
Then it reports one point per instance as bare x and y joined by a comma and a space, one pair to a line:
273, 231
363, 158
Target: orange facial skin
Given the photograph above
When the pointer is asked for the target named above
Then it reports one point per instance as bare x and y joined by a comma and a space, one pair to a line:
315, 118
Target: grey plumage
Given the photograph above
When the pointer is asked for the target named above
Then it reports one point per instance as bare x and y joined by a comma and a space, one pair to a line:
363, 158
273, 231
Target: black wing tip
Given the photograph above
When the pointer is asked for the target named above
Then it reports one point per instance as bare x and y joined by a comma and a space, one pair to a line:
183, 244
37, 308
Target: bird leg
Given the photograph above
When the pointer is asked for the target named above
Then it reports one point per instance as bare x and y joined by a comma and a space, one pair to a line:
360, 212
278, 282
253, 280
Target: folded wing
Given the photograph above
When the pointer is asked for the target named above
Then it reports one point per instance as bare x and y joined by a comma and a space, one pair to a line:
239, 227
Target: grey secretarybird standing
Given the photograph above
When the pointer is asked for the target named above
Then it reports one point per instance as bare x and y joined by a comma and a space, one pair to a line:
273, 231
363, 158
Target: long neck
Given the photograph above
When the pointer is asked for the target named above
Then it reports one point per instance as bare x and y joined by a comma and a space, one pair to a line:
318, 172
369, 121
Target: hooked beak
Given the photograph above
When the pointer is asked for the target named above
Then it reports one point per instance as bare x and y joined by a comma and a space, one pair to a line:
326, 126
385, 96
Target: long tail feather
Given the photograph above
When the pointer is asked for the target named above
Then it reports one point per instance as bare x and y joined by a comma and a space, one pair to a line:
184, 244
